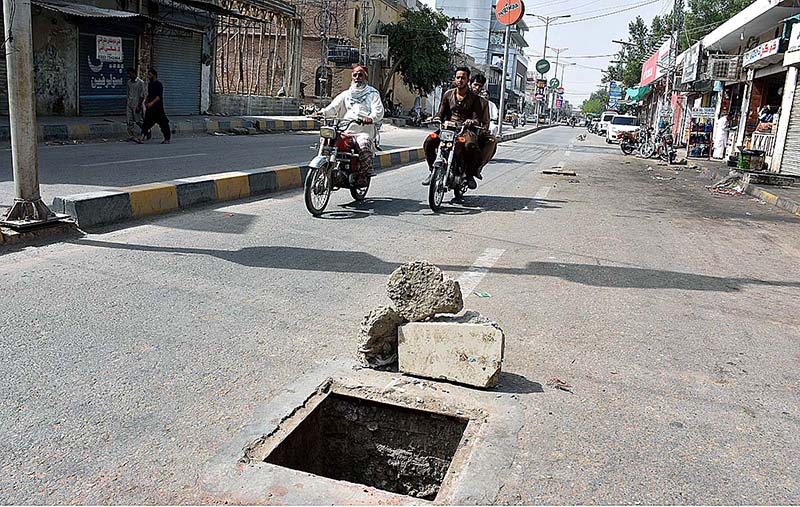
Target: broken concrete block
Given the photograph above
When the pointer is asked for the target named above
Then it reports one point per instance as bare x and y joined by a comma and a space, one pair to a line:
457, 351
420, 290
378, 337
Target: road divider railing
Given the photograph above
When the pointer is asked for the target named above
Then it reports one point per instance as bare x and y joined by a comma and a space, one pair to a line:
104, 207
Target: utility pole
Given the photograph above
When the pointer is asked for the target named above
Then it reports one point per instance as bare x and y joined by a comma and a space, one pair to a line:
546, 20
501, 110
454, 30
555, 74
677, 26
28, 209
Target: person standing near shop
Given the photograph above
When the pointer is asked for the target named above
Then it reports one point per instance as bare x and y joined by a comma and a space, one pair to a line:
135, 108
720, 136
154, 109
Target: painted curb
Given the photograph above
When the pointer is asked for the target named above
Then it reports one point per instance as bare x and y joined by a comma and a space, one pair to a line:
106, 207
783, 203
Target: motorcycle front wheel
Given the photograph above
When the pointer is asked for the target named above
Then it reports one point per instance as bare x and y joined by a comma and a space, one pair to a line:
648, 149
359, 194
318, 187
438, 187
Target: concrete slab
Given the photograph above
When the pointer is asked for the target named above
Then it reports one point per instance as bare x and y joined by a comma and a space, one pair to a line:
465, 353
238, 474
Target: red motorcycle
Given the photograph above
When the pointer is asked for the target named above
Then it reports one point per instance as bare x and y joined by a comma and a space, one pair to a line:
337, 165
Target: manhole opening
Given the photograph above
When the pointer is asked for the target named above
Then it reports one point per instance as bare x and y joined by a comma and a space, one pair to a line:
384, 446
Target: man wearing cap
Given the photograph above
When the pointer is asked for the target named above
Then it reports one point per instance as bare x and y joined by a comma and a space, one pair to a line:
359, 102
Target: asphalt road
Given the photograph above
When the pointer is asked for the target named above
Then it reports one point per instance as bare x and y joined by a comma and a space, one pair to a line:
77, 168
131, 355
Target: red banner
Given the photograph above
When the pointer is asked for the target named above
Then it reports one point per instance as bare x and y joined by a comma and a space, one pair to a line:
654, 67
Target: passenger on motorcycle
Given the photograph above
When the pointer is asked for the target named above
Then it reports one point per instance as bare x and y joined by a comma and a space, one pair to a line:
360, 102
460, 104
486, 139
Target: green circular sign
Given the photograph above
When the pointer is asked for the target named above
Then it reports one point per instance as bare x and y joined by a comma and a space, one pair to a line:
543, 66
555, 83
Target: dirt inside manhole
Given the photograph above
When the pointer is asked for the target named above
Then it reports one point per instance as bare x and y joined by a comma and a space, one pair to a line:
397, 449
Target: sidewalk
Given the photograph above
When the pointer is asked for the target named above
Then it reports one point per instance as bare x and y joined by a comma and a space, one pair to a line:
73, 129
784, 197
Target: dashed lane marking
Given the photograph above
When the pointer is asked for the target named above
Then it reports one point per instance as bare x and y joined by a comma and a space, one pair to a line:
473, 276
133, 161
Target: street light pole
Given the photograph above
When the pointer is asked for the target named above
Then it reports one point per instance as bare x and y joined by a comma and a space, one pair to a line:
555, 74
501, 112
546, 20
28, 208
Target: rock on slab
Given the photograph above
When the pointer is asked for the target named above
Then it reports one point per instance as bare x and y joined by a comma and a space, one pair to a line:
461, 352
378, 337
420, 290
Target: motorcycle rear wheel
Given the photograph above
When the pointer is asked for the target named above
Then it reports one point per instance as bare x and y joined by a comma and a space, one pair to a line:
359, 194
317, 192
626, 147
438, 187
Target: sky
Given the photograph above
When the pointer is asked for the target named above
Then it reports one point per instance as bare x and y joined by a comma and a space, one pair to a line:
591, 37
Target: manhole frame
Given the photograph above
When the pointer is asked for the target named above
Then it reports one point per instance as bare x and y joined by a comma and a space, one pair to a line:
487, 446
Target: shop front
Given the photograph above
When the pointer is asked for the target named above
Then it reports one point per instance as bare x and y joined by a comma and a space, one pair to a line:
787, 151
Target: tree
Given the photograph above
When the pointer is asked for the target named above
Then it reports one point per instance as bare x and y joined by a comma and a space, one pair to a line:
418, 50
597, 101
706, 15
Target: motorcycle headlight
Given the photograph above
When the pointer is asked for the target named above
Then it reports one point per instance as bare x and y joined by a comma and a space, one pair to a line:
327, 133
447, 135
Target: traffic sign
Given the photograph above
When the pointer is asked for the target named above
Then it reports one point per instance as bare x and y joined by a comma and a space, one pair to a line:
560, 90
555, 83
509, 12
543, 66
540, 97
541, 84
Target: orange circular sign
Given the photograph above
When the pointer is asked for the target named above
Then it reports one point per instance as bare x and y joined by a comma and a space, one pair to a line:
509, 12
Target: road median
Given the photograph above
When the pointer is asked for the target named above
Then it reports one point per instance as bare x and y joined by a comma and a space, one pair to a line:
105, 207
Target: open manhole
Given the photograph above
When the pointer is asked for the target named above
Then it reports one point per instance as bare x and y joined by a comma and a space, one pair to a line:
388, 447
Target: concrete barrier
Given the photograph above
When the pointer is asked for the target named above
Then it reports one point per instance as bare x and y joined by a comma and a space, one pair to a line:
105, 207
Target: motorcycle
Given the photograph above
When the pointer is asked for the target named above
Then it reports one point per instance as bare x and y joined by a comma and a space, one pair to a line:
337, 160
628, 142
448, 169
663, 143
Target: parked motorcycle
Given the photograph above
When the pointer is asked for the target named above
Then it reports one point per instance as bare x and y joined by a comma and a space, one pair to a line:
628, 142
449, 171
664, 148
336, 166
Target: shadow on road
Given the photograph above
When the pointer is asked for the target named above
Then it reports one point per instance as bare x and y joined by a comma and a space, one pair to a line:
513, 383
343, 261
472, 204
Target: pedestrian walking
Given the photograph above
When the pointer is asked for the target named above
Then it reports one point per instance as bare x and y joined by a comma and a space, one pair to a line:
154, 109
135, 108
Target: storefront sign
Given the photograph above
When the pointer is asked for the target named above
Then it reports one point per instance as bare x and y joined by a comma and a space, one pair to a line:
792, 56
655, 66
760, 52
109, 49
690, 64
703, 112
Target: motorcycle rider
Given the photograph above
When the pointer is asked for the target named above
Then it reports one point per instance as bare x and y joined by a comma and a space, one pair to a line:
359, 102
486, 139
459, 104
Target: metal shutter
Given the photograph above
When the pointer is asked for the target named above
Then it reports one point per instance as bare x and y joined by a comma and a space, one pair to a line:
101, 85
177, 60
790, 163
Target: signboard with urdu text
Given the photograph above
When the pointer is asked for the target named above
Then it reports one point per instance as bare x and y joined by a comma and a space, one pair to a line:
792, 56
690, 64
760, 52
109, 49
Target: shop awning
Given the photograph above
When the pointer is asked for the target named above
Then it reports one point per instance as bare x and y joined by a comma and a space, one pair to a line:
83, 10
637, 93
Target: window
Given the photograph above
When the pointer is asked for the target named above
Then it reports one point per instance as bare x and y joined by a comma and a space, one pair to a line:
625, 120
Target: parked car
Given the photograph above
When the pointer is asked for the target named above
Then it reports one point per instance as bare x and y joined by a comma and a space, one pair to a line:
594, 125
605, 118
621, 123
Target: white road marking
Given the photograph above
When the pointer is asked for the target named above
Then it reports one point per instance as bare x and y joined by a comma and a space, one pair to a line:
567, 153
538, 196
133, 161
472, 277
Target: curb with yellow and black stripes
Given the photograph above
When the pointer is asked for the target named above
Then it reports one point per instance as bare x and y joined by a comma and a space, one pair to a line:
105, 207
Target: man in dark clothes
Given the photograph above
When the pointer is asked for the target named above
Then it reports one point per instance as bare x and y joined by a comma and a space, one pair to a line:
460, 104
154, 109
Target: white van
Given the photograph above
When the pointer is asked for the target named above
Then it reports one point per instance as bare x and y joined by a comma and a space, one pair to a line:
605, 119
